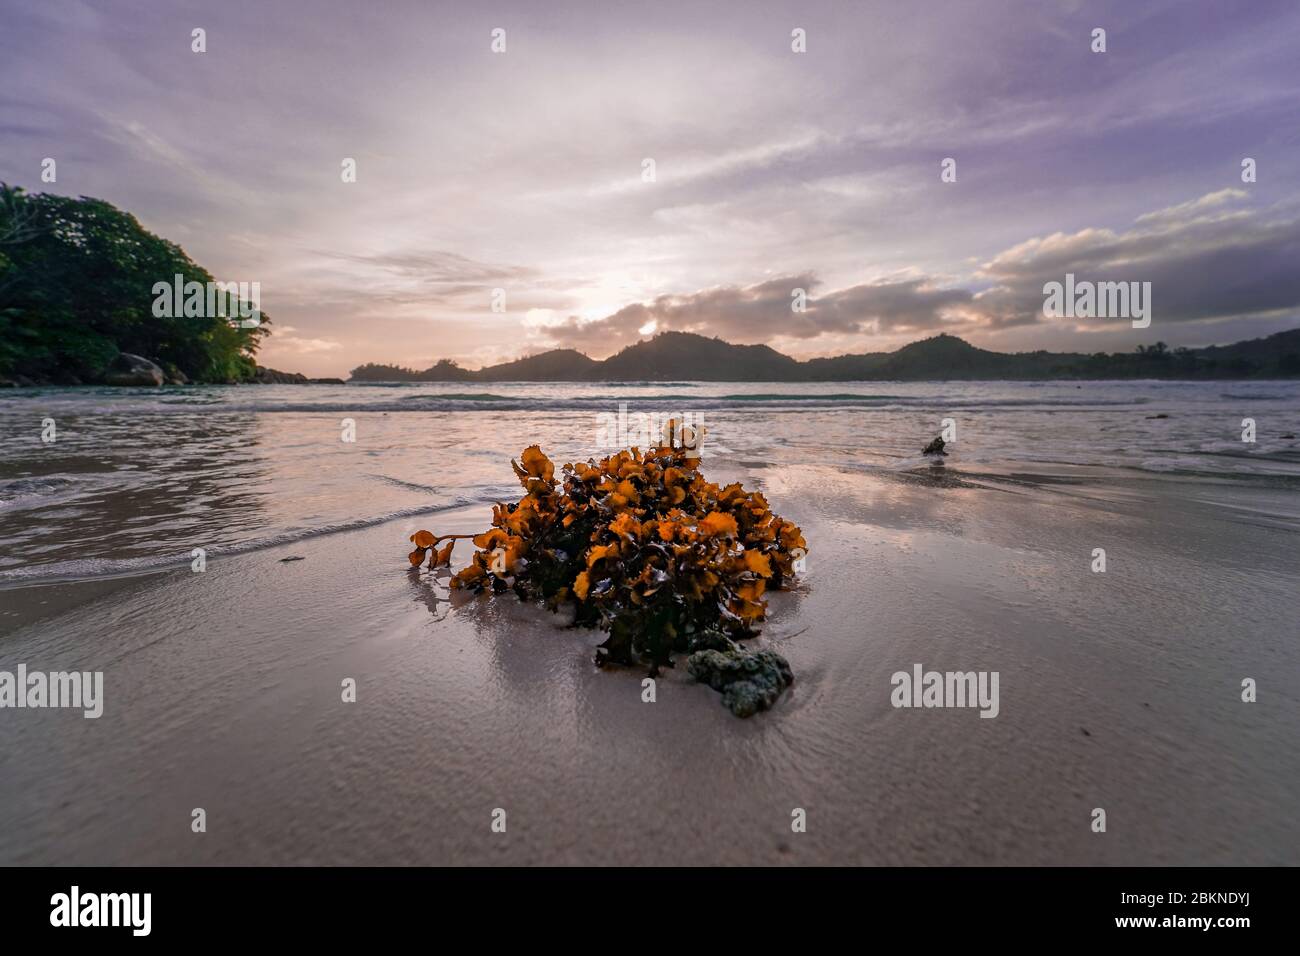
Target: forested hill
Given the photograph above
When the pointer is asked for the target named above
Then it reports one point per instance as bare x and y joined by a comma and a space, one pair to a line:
682, 356
77, 280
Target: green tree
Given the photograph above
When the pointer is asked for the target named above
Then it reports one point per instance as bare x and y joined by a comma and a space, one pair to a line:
76, 288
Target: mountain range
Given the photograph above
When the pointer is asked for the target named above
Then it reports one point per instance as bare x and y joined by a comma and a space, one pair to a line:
685, 356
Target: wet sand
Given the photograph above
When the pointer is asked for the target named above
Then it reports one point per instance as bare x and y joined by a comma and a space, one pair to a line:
1118, 690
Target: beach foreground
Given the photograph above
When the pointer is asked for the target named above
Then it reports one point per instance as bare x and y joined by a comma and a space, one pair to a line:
1119, 690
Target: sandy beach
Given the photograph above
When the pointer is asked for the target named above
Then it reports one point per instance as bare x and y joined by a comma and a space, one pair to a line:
1119, 690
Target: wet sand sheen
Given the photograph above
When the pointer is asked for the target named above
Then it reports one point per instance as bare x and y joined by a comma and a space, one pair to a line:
1119, 691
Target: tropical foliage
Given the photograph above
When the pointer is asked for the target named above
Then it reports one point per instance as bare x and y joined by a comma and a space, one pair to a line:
76, 288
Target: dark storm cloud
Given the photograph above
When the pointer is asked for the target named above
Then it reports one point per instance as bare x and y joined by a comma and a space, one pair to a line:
1208, 260
760, 312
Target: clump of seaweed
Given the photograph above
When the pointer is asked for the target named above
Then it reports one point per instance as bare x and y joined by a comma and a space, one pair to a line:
749, 682
643, 547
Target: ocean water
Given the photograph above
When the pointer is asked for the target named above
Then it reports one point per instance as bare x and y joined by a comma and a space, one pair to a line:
134, 479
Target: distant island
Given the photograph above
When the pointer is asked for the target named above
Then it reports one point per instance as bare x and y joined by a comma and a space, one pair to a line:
684, 356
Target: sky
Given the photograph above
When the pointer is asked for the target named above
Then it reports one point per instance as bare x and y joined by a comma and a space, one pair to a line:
526, 170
